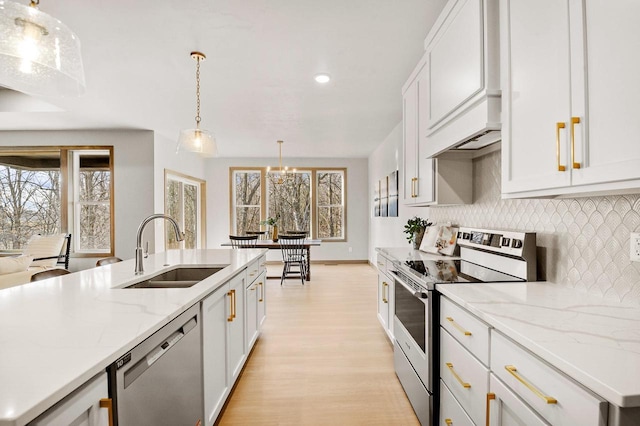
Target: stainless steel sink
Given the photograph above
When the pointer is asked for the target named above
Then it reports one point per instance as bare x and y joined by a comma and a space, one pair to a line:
182, 277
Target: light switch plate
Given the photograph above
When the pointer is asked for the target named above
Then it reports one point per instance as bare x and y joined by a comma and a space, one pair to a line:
634, 247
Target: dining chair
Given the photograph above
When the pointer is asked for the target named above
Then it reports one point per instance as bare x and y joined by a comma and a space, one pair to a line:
50, 273
108, 261
293, 256
243, 241
262, 235
297, 233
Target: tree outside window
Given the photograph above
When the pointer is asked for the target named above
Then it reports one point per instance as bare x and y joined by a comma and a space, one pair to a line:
330, 204
184, 201
290, 200
247, 197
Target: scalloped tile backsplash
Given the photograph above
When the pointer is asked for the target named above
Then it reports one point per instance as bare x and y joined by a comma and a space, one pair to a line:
582, 242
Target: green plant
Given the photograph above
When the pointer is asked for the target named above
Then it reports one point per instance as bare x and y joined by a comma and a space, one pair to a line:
271, 221
414, 226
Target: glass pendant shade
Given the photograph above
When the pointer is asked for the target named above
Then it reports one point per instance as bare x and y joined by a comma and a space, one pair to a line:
199, 141
39, 55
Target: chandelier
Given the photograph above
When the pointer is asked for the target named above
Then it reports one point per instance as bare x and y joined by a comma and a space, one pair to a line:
197, 140
39, 55
282, 172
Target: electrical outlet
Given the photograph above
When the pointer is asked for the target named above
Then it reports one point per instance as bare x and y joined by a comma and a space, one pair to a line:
634, 247
351, 249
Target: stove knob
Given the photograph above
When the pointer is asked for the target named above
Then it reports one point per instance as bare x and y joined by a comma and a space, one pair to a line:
506, 242
516, 243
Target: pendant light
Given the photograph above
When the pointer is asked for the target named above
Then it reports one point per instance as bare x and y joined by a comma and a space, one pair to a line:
39, 55
282, 174
197, 140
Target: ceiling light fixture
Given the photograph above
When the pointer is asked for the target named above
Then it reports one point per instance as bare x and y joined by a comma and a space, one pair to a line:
39, 55
197, 140
323, 78
282, 174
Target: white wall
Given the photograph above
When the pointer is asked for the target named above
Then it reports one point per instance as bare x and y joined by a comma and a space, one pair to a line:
218, 202
133, 176
388, 231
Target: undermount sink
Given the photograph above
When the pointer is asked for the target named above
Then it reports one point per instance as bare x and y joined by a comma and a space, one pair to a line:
181, 277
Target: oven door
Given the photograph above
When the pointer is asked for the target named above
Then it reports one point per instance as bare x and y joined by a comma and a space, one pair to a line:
413, 323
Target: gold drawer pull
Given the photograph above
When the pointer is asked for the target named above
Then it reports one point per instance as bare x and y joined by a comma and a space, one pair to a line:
449, 422
490, 397
559, 126
108, 404
512, 370
459, 327
261, 292
462, 383
574, 121
384, 293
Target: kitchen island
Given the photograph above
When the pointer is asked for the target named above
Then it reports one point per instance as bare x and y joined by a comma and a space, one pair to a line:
59, 333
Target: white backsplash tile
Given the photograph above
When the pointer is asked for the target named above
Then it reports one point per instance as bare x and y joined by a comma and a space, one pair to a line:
582, 243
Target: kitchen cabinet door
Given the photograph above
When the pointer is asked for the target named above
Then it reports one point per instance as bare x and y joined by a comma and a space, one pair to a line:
215, 313
89, 405
236, 343
385, 315
536, 94
607, 148
262, 300
251, 318
506, 409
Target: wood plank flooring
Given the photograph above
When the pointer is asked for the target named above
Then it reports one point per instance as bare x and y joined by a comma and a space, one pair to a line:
323, 358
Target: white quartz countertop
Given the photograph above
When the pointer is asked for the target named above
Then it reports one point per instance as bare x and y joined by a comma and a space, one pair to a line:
56, 334
595, 341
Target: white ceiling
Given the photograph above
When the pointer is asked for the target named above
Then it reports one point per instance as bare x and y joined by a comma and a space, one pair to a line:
257, 82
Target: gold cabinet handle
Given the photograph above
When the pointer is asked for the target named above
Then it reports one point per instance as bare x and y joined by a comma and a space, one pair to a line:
234, 303
462, 383
261, 292
513, 371
414, 187
459, 327
232, 297
108, 404
384, 293
490, 397
574, 121
449, 422
559, 125
253, 288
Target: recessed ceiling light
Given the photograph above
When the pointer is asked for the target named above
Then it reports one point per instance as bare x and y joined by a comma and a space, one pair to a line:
322, 78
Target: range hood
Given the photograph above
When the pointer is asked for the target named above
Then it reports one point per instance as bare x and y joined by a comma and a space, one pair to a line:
472, 129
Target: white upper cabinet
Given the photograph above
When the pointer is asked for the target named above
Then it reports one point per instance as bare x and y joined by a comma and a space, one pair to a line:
570, 91
463, 75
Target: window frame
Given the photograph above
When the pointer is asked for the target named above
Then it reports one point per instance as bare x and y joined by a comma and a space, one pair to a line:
316, 204
68, 184
314, 197
201, 238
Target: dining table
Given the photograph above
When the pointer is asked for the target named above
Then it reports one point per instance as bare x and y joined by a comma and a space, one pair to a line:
274, 245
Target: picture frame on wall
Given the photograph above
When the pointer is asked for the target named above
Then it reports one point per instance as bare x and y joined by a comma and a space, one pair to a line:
376, 199
384, 197
393, 194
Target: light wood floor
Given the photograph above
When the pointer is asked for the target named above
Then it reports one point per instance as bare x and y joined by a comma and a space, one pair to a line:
323, 358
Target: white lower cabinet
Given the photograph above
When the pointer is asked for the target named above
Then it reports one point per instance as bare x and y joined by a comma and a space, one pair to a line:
386, 309
465, 376
256, 312
89, 405
555, 397
451, 412
222, 343
507, 409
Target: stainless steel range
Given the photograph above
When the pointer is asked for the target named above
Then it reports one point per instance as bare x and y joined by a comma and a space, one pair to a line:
484, 256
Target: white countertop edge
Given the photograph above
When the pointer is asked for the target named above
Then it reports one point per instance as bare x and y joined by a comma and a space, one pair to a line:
544, 352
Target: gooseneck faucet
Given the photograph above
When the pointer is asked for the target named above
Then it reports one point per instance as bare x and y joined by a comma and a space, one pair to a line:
176, 228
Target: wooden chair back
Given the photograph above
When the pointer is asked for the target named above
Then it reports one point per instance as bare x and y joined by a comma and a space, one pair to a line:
243, 241
108, 261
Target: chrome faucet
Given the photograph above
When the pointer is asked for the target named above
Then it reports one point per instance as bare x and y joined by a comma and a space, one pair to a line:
139, 255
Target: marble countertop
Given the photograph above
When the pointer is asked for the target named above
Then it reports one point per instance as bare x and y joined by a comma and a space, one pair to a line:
595, 341
56, 334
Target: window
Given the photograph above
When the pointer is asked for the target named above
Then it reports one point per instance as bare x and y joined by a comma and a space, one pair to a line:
184, 201
311, 200
48, 190
330, 204
247, 196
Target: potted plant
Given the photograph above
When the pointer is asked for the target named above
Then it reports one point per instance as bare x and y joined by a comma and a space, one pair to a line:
273, 223
414, 229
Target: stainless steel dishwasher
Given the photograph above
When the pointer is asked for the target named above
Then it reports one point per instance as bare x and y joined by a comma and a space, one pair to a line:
159, 382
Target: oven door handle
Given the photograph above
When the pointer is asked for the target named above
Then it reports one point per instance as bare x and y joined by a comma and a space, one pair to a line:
417, 294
